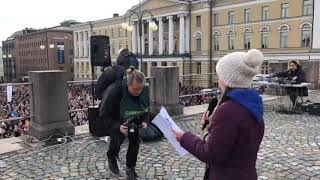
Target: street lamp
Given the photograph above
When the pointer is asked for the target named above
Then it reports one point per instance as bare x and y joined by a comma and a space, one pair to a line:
51, 46
139, 15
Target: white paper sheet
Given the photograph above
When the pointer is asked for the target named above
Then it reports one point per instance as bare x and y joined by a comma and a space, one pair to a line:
165, 123
9, 93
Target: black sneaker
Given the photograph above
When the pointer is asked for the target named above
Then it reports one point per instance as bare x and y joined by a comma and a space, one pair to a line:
131, 174
113, 165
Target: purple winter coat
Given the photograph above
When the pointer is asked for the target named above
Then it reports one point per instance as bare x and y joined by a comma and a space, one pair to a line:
232, 145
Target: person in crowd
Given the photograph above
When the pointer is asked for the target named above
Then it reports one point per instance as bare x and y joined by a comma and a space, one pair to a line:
236, 127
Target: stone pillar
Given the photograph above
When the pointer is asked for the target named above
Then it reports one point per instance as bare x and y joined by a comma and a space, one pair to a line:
76, 45
134, 38
316, 25
182, 35
143, 38
49, 104
160, 36
85, 52
150, 39
171, 28
311, 69
166, 89
80, 44
188, 35
138, 36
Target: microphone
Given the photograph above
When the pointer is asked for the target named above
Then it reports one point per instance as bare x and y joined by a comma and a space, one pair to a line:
212, 104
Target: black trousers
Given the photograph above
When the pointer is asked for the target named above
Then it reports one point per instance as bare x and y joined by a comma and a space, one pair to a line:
294, 92
117, 139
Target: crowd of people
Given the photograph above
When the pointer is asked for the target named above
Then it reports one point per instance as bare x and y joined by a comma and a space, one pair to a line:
193, 100
19, 106
79, 97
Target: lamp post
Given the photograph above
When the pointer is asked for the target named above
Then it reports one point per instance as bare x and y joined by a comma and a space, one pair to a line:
139, 15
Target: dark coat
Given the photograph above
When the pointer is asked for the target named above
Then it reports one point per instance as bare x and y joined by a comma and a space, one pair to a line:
235, 134
290, 74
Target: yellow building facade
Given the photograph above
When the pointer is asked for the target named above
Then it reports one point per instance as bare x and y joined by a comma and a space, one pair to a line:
194, 35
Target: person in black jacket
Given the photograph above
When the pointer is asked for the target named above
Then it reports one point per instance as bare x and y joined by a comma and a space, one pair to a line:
128, 107
125, 60
297, 76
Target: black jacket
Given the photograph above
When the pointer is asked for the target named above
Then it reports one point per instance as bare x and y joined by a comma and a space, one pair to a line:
290, 74
109, 76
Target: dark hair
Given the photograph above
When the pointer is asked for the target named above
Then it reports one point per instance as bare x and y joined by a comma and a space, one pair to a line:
294, 62
224, 97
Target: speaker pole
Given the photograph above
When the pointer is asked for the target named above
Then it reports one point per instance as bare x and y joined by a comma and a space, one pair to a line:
92, 66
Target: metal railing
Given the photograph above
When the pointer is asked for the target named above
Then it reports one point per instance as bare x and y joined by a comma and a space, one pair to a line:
14, 84
200, 94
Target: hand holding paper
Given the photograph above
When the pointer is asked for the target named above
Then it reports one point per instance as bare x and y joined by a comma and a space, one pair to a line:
178, 134
165, 123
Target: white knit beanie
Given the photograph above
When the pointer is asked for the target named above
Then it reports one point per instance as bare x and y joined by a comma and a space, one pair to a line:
237, 69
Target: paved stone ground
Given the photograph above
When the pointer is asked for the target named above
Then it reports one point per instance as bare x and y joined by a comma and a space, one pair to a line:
290, 150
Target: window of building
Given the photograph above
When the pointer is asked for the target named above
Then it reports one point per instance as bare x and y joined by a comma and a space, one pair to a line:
216, 19
198, 21
284, 34
112, 33
119, 32
265, 13
247, 15
216, 41
305, 35
198, 37
264, 68
231, 17
264, 37
163, 63
247, 38
113, 51
199, 68
285, 10
174, 64
231, 40
199, 41
307, 7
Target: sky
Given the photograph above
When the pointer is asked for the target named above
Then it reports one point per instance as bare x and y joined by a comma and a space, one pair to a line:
19, 14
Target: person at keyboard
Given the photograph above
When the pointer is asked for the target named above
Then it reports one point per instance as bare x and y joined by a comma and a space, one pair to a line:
294, 75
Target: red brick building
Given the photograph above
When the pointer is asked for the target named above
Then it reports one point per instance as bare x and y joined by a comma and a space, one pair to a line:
46, 49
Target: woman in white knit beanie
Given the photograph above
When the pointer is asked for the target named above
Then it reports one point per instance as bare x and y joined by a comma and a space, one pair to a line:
236, 127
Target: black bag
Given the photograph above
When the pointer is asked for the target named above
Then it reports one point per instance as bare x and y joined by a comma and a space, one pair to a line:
96, 123
151, 133
314, 109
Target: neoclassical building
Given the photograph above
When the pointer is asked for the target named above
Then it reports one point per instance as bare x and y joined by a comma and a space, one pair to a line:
193, 35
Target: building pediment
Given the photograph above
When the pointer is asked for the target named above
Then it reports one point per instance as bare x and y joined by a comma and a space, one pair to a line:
156, 4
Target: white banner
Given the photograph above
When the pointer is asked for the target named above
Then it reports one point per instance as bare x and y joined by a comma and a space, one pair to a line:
9, 93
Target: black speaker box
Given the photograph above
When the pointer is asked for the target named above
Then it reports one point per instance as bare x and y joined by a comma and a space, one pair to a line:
96, 124
100, 51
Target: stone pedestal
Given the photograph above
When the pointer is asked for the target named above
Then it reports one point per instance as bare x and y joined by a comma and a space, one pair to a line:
311, 70
49, 104
166, 89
